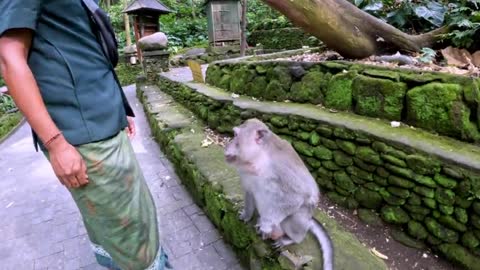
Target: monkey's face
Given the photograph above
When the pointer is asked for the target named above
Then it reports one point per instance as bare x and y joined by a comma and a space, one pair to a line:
246, 145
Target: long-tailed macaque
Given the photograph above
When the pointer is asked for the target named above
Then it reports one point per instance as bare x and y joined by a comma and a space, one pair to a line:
278, 185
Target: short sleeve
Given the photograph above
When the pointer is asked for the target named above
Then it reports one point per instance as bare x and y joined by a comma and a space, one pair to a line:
19, 14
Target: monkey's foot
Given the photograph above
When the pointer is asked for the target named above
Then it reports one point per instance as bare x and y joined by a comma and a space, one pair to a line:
244, 216
282, 242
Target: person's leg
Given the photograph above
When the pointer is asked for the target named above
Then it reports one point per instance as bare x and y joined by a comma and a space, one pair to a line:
118, 209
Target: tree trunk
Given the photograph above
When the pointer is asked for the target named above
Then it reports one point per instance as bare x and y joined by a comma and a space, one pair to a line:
351, 32
243, 24
127, 26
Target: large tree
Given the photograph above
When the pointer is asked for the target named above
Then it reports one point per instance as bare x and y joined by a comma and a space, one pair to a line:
350, 31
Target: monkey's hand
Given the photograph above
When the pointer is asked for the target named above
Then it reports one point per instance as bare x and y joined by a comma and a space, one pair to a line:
245, 216
265, 229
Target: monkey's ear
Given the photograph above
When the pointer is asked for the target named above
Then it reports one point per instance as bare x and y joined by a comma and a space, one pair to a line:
261, 135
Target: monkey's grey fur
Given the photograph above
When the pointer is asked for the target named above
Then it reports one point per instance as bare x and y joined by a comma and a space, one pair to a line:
278, 185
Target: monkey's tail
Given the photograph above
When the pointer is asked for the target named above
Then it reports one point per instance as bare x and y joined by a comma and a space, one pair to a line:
325, 242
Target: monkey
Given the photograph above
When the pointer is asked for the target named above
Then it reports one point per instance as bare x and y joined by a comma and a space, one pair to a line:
278, 186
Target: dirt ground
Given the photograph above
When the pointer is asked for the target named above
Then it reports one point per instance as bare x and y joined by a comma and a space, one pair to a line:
400, 257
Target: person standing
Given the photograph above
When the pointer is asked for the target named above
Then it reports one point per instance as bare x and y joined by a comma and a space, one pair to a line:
66, 88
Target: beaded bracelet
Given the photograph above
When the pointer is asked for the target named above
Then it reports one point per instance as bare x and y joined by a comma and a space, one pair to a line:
52, 139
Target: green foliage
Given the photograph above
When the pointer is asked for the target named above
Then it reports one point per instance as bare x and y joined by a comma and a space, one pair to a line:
6, 104
465, 21
2, 82
184, 32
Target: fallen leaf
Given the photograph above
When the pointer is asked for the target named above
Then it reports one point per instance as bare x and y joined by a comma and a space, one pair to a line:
456, 57
378, 254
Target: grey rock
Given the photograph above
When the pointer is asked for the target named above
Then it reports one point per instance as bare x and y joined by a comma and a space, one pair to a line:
153, 42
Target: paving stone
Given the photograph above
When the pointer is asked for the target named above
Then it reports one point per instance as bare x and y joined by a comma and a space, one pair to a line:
42, 228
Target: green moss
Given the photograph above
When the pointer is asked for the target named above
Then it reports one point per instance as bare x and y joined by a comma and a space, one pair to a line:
400, 182
337, 198
391, 199
425, 180
373, 187
275, 91
460, 256
368, 155
364, 175
446, 209
369, 217
475, 220
225, 82
382, 172
343, 133
453, 172
450, 222
380, 180
304, 136
282, 75
330, 144
430, 203
394, 215
441, 232
8, 122
322, 153
314, 138
324, 178
414, 199
417, 209
461, 215
341, 159
257, 87
445, 182
476, 207
417, 230
445, 196
325, 131
404, 172
279, 121
386, 74
378, 97
469, 240
338, 94
303, 148
213, 75
439, 107
462, 202
330, 165
314, 163
393, 160
364, 166
406, 240
367, 198
310, 88
399, 192
343, 181
347, 147
422, 165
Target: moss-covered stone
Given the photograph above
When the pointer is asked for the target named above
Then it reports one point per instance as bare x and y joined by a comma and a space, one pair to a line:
440, 231
406, 240
446, 209
440, 107
347, 146
399, 192
372, 186
341, 159
461, 215
368, 155
225, 82
324, 178
453, 172
330, 165
343, 133
380, 147
330, 144
370, 217
425, 180
476, 207
275, 91
394, 215
460, 256
393, 160
304, 136
257, 87
314, 163
282, 75
475, 220
432, 240
417, 209
310, 88
462, 202
417, 230
338, 94
430, 203
364, 166
314, 138
324, 130
422, 165
451, 223
445, 196
380, 180
383, 172
337, 198
414, 199
444, 181
241, 77
404, 172
343, 181
303, 148
364, 175
213, 74
469, 240
378, 97
400, 182
391, 199
322, 153
279, 121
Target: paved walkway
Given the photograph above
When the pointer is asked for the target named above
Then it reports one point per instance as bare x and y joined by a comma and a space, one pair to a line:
40, 226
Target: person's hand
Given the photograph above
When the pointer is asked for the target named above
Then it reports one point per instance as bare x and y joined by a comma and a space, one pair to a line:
67, 164
131, 127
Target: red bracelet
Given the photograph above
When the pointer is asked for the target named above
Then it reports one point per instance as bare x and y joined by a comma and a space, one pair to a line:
52, 139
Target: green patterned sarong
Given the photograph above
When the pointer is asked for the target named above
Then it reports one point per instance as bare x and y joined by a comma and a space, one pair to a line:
118, 209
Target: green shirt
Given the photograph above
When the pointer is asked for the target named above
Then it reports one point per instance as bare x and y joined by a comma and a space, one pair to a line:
76, 81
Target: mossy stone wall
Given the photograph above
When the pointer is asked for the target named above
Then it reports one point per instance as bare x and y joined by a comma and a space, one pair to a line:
282, 38
441, 103
435, 203
8, 122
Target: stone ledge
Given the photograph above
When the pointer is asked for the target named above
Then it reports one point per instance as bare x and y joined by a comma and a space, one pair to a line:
9, 123
215, 187
445, 148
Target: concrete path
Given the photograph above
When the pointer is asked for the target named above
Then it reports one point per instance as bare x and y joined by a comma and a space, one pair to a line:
40, 226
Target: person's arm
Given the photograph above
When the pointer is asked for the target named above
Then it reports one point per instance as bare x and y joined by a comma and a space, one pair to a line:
66, 161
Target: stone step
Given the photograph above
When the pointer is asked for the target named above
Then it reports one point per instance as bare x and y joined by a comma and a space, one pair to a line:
216, 187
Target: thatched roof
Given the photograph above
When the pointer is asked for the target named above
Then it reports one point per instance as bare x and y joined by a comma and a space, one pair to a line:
151, 6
